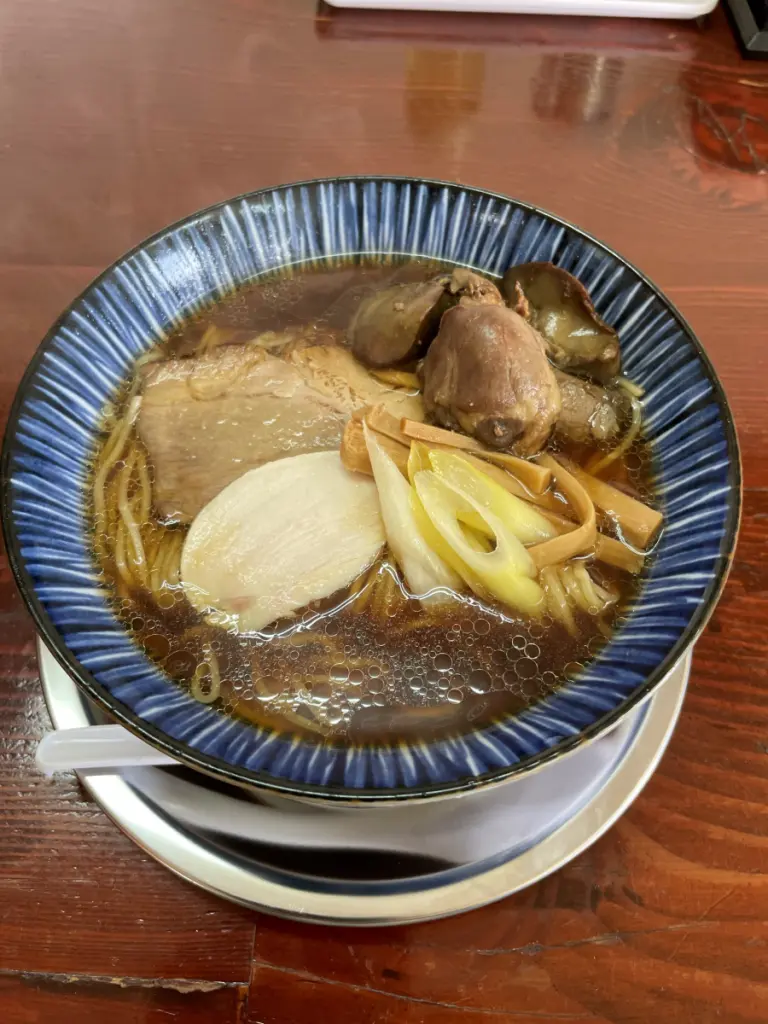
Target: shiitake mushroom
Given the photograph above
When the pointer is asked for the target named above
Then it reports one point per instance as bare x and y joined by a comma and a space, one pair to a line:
394, 326
589, 412
558, 305
487, 372
471, 289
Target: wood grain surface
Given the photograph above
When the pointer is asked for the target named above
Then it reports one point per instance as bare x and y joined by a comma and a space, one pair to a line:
117, 118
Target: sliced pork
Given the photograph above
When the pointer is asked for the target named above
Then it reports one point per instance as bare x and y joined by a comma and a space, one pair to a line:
205, 421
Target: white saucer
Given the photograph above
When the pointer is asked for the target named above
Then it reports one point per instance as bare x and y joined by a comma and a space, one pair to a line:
383, 865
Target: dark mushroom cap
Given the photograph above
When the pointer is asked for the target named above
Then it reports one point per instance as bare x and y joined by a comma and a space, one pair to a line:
394, 325
589, 412
558, 305
473, 289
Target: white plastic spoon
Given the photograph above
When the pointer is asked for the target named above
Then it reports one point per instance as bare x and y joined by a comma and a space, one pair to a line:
455, 830
95, 746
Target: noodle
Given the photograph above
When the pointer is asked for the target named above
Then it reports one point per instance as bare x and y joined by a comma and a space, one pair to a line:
596, 597
629, 386
113, 447
628, 440
173, 567
591, 602
302, 721
276, 705
120, 561
302, 639
383, 593
163, 554
144, 490
572, 588
170, 559
113, 451
557, 601
365, 590
127, 516
155, 581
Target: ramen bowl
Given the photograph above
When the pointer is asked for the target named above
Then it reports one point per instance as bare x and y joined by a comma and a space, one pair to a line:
55, 424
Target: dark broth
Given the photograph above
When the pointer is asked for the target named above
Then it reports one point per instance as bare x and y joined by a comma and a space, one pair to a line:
340, 673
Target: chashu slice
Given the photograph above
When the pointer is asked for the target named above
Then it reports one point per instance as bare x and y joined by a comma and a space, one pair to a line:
207, 420
280, 537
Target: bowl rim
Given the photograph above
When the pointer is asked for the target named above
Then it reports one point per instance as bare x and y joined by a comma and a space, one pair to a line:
260, 779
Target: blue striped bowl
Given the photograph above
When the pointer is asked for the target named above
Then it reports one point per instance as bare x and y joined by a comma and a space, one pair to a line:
145, 295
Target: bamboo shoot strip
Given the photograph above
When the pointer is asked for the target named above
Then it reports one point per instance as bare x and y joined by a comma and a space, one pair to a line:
607, 549
637, 522
398, 379
383, 422
579, 541
354, 453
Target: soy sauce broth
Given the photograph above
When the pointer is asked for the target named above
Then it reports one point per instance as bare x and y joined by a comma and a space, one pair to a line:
357, 668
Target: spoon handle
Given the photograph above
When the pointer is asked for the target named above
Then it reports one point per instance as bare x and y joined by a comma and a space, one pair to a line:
95, 746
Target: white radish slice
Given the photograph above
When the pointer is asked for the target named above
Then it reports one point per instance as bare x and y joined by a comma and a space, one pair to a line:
279, 537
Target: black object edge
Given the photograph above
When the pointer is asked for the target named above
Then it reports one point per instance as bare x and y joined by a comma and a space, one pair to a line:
751, 37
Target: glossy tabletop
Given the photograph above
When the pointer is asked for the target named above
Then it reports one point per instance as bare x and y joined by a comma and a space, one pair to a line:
118, 118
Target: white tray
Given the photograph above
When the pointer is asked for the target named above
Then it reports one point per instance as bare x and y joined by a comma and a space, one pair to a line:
597, 8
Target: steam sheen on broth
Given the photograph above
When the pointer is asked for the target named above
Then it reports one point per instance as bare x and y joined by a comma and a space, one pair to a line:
292, 366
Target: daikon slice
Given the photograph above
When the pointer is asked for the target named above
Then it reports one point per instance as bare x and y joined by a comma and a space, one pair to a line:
283, 535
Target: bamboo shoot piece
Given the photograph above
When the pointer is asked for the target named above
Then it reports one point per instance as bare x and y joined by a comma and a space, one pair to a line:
398, 379
354, 451
638, 523
579, 541
437, 435
383, 422
607, 549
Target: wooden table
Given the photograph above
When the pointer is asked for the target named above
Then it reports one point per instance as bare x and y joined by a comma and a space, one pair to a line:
120, 117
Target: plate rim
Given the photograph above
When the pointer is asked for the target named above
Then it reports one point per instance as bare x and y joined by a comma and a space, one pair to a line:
176, 850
